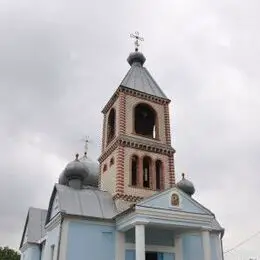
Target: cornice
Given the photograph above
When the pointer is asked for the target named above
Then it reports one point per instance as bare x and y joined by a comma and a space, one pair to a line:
135, 93
164, 217
137, 143
130, 198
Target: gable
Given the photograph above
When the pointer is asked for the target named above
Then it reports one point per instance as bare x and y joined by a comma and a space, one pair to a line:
34, 226
25, 235
174, 199
55, 206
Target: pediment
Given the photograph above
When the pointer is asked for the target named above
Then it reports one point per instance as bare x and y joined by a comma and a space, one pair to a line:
174, 199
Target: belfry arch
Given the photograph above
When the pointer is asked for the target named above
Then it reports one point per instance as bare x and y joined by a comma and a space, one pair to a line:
145, 121
111, 125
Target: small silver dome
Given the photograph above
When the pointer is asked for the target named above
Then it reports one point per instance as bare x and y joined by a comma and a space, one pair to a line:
92, 169
75, 170
83, 169
186, 186
136, 57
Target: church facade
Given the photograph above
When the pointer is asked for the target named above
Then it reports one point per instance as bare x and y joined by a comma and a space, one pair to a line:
128, 206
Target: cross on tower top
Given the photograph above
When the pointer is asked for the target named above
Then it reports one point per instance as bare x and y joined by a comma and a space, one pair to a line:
137, 39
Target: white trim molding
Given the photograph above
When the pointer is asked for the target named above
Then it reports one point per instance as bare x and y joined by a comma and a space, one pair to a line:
164, 217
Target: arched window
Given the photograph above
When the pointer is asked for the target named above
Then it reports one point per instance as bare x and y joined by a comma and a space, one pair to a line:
104, 168
134, 170
145, 121
158, 174
146, 171
112, 161
111, 125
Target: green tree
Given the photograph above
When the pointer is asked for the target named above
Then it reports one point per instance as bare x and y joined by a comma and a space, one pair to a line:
7, 253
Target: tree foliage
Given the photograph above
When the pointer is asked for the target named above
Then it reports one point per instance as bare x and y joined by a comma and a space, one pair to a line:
7, 253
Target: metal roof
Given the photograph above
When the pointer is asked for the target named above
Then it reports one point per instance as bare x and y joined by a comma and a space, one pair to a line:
138, 78
34, 228
87, 202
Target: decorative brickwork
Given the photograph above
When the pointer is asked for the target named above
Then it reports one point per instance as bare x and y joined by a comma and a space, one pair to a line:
122, 118
129, 140
167, 124
134, 93
120, 170
125, 197
171, 171
103, 133
137, 144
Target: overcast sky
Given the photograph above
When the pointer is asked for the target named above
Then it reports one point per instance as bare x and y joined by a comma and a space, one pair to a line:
61, 60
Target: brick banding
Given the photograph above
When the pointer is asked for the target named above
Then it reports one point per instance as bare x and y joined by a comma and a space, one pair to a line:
134, 93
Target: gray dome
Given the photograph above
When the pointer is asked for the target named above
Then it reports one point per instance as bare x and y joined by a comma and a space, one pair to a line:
186, 186
83, 169
75, 170
62, 179
92, 169
136, 57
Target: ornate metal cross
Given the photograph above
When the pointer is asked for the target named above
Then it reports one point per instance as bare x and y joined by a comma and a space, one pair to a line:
137, 39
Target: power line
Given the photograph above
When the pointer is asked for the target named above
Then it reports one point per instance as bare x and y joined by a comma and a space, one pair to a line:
242, 243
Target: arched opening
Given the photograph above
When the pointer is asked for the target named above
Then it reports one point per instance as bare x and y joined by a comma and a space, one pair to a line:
158, 174
112, 161
145, 121
111, 125
146, 171
105, 168
134, 170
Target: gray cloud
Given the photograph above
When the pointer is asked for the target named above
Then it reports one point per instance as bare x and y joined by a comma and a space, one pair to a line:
61, 61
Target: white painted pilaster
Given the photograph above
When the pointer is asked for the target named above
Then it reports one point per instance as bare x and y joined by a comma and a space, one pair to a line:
120, 245
178, 246
63, 245
219, 248
139, 242
206, 244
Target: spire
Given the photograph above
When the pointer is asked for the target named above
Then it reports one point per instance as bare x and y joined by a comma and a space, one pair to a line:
138, 78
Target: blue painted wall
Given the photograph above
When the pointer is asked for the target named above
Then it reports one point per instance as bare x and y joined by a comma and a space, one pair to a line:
52, 240
90, 241
31, 253
153, 236
192, 247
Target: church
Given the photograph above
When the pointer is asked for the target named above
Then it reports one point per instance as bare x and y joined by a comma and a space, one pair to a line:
128, 205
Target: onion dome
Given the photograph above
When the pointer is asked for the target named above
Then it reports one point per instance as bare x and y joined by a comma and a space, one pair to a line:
137, 57
80, 172
186, 186
74, 174
92, 168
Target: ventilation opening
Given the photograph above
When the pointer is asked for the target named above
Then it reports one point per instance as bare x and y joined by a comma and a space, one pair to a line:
134, 170
111, 125
146, 172
112, 161
158, 169
145, 121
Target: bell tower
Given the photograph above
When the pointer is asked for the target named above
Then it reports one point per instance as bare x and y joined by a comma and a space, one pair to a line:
137, 158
